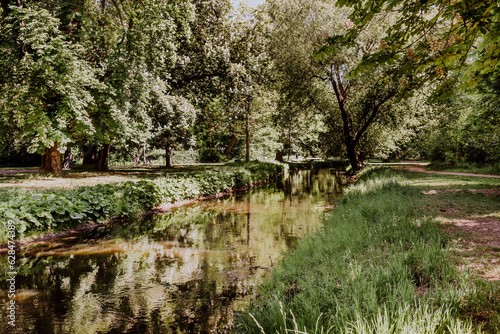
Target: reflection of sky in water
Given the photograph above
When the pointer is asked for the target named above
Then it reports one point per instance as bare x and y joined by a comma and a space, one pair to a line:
188, 269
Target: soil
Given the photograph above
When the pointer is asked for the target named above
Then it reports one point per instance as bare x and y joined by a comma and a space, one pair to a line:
476, 241
475, 237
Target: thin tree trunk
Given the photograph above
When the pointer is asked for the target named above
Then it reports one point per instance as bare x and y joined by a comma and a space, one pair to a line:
102, 158
354, 158
89, 155
168, 156
51, 161
249, 227
289, 142
247, 135
279, 156
230, 146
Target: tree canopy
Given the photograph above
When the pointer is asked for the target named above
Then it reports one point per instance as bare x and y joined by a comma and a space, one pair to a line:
355, 79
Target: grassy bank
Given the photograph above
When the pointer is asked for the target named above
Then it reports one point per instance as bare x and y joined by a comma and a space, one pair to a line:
382, 264
38, 211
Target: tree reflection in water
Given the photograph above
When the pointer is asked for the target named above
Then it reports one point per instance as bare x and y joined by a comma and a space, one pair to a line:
187, 270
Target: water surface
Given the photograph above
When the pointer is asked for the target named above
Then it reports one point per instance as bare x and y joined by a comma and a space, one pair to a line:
190, 270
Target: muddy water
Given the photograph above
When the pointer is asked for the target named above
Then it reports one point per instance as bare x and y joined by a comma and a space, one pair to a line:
190, 270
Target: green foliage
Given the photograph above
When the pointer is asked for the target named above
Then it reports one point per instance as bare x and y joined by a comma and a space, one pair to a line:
335, 164
445, 36
55, 209
211, 155
45, 87
366, 115
466, 128
467, 167
172, 118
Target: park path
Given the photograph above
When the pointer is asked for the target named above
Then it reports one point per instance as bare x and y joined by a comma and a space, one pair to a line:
18, 171
421, 169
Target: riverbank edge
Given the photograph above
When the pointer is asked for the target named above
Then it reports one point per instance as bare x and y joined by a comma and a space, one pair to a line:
395, 274
159, 209
250, 175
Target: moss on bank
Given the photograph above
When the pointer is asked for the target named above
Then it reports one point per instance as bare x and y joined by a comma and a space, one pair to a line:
380, 265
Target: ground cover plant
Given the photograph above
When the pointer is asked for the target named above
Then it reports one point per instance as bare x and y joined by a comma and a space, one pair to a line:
384, 264
38, 211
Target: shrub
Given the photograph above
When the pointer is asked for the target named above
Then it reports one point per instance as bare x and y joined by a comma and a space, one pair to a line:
209, 155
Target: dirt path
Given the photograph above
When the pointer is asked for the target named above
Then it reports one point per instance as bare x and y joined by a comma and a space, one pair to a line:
421, 169
475, 230
18, 171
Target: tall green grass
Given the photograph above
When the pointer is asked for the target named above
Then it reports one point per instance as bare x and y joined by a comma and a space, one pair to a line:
378, 266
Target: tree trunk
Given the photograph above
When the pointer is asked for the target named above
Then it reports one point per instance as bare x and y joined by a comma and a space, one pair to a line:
89, 152
249, 224
279, 156
230, 146
51, 161
247, 136
354, 158
101, 162
168, 157
289, 142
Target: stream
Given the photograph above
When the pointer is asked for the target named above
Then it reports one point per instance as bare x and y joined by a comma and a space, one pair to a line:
189, 270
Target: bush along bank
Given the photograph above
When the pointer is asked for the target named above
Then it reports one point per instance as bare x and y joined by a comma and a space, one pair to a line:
378, 266
40, 211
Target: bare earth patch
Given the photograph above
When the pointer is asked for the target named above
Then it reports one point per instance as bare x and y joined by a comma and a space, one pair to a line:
476, 231
476, 239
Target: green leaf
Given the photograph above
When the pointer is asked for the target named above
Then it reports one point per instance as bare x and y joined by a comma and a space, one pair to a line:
76, 216
367, 18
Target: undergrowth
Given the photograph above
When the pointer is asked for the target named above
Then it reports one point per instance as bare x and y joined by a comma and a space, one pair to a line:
378, 266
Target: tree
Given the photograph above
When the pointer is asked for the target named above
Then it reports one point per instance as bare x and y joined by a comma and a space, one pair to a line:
250, 63
45, 85
440, 36
173, 118
466, 129
131, 45
82, 70
351, 105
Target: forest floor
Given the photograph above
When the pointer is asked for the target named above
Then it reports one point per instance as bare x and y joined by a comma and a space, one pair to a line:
469, 211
